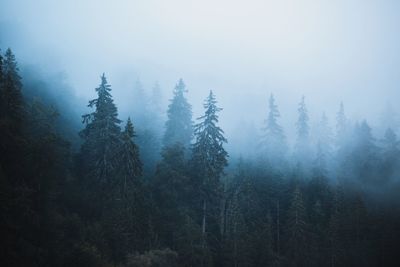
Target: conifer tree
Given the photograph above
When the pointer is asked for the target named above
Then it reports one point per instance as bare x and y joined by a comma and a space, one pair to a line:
101, 137
274, 138
179, 125
129, 160
209, 159
12, 101
302, 147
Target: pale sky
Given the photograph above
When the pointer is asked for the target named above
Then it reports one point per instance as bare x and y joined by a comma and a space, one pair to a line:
329, 51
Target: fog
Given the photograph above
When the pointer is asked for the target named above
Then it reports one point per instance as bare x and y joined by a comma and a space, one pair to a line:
330, 52
290, 158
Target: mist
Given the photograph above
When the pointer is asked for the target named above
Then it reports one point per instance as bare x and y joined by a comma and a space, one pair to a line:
244, 51
305, 96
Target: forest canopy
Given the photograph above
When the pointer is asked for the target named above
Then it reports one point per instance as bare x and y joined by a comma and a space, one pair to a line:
160, 188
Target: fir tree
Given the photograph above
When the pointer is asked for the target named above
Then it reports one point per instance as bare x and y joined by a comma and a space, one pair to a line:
302, 148
12, 101
101, 137
129, 160
179, 125
274, 138
209, 159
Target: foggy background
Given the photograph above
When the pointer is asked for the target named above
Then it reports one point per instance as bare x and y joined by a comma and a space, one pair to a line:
329, 51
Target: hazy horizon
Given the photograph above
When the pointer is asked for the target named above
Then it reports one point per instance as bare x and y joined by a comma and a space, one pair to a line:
243, 51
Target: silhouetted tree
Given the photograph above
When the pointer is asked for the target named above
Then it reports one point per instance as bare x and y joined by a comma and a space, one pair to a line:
179, 125
274, 139
209, 159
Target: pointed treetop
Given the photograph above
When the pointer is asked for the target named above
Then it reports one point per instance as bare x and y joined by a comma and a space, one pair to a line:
302, 122
180, 87
129, 130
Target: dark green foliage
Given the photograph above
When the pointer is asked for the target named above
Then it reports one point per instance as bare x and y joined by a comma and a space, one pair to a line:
209, 156
101, 137
297, 235
99, 210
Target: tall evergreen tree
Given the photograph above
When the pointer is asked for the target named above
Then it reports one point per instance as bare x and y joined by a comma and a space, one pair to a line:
12, 101
101, 137
302, 147
209, 159
179, 125
274, 138
129, 160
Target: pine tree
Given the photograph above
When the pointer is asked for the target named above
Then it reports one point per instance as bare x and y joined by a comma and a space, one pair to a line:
12, 100
128, 156
179, 125
101, 137
302, 147
274, 138
209, 159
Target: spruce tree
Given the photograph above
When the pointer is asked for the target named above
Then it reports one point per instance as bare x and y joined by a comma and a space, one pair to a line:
209, 159
12, 100
130, 165
179, 125
302, 146
101, 137
274, 138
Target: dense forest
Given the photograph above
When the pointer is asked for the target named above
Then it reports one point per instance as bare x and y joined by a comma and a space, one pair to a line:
155, 191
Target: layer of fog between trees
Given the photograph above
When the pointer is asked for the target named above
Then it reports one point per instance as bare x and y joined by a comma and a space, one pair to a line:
158, 142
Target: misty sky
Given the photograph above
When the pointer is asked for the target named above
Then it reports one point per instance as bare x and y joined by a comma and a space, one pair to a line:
330, 51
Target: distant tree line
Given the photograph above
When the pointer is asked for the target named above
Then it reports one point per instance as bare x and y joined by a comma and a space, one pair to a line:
132, 197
